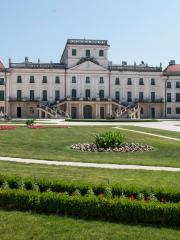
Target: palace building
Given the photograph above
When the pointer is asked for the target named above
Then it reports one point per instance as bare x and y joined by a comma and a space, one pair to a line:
86, 85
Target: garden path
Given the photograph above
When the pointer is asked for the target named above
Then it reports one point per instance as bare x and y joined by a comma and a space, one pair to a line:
95, 165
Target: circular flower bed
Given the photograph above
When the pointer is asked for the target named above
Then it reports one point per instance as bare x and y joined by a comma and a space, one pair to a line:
125, 147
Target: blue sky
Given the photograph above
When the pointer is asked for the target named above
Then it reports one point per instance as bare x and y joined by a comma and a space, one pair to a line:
138, 30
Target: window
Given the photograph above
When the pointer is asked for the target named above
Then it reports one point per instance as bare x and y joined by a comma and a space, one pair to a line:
168, 97
31, 79
57, 95
101, 93
1, 95
57, 80
87, 93
117, 95
141, 81
31, 95
19, 80
101, 80
168, 110
87, 79
129, 98
177, 110
19, 95
101, 53
73, 79
44, 80
73, 52
1, 109
1, 81
32, 110
177, 84
117, 82
152, 81
152, 95
129, 82
177, 97
168, 84
140, 96
141, 111
87, 53
73, 93
44, 93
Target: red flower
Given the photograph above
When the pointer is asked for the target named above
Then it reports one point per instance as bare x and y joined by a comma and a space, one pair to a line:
102, 195
115, 196
133, 198
73, 194
177, 203
59, 192
163, 201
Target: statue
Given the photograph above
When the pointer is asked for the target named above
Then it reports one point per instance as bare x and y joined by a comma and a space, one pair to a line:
160, 64
9, 60
135, 64
38, 60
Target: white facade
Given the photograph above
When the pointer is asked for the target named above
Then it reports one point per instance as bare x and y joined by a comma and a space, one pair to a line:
86, 85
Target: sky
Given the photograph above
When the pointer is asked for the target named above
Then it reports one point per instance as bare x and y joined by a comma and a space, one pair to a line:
137, 31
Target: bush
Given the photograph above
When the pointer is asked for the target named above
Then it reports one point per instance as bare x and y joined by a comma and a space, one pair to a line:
109, 139
30, 122
92, 206
8, 119
172, 195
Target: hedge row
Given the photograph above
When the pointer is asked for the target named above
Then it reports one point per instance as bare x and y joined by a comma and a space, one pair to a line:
144, 120
172, 195
117, 209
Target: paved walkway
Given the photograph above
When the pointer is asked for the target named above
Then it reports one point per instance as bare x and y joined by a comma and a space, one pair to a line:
95, 165
155, 135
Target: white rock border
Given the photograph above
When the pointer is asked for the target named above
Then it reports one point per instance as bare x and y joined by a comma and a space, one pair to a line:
123, 148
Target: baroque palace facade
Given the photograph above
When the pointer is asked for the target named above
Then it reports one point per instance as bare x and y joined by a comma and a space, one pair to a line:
86, 85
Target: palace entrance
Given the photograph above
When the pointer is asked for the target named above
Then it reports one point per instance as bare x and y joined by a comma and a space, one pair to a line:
87, 112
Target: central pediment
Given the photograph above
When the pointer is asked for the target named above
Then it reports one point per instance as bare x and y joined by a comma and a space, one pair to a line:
87, 66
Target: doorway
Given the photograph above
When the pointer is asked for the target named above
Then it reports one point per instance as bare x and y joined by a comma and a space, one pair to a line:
73, 112
87, 111
102, 112
153, 112
18, 112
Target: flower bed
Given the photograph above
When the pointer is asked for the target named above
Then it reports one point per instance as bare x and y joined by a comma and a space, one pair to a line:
92, 206
7, 128
44, 127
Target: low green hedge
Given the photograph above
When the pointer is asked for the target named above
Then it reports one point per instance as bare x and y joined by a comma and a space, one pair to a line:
172, 195
93, 120
94, 207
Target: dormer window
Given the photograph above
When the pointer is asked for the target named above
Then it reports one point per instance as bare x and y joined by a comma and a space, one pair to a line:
101, 53
117, 82
87, 53
73, 52
31, 79
101, 80
57, 80
141, 81
87, 79
19, 79
73, 79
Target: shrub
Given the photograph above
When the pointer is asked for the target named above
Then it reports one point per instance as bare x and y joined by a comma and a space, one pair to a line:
30, 122
109, 139
8, 119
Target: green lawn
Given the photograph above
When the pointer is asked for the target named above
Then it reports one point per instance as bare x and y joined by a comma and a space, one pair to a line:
142, 178
16, 225
154, 131
54, 144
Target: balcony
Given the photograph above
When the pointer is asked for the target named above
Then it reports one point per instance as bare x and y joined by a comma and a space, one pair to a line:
12, 99
148, 100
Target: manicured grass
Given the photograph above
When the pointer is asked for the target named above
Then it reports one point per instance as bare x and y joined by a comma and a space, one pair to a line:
154, 131
16, 225
141, 178
54, 144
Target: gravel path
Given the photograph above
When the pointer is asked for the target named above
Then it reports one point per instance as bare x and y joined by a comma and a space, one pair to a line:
95, 165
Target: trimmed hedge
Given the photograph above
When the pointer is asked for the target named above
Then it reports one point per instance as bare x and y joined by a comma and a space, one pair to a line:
117, 209
133, 120
172, 195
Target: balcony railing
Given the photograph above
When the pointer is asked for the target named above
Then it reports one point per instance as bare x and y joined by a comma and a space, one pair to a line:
148, 100
13, 99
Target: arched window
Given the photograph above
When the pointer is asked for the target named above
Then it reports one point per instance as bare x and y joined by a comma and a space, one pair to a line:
87, 79
101, 93
57, 80
101, 80
152, 81
87, 93
73, 93
117, 82
73, 79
